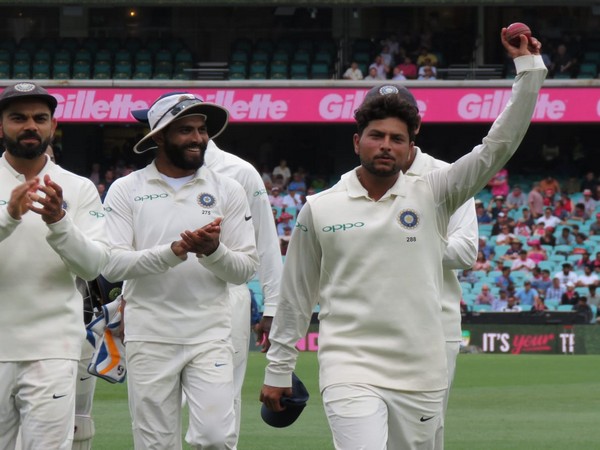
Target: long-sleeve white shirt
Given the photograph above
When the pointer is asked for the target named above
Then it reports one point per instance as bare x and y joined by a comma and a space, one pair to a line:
460, 253
375, 267
267, 243
170, 300
41, 311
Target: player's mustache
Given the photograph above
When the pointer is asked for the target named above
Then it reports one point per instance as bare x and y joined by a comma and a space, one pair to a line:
29, 135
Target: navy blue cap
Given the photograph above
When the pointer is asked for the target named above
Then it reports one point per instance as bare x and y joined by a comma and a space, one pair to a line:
141, 115
25, 90
294, 406
392, 89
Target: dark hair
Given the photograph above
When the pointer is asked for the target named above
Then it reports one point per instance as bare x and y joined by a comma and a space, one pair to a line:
385, 106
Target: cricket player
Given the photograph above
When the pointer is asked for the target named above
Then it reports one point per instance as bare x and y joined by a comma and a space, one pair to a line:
51, 231
370, 251
460, 253
269, 254
179, 234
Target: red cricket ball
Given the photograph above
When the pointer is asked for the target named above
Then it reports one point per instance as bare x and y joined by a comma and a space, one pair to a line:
514, 31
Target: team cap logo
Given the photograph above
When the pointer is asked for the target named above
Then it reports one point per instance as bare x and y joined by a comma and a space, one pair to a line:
207, 200
24, 87
408, 219
388, 90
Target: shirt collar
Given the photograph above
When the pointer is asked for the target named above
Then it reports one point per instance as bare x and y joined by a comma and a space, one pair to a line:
4, 163
154, 174
418, 165
213, 154
356, 189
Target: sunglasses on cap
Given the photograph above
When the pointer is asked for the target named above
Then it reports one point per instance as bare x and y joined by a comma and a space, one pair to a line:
176, 109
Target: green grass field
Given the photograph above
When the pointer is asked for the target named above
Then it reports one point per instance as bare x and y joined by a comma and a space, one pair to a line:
498, 402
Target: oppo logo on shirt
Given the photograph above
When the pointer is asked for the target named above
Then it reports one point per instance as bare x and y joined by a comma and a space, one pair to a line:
342, 227
141, 198
260, 192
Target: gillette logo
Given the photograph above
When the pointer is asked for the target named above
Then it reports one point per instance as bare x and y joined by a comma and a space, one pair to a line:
489, 106
83, 105
260, 106
338, 106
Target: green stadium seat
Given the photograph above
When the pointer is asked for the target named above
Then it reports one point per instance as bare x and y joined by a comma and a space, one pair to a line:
122, 56
62, 55
258, 70
182, 76
41, 70
61, 70
184, 56
143, 70
482, 308
123, 67
22, 56
163, 68
82, 70
564, 307
260, 56
236, 70
42, 56
301, 56
141, 76
163, 55
588, 70
21, 70
299, 70
323, 56
319, 71
280, 56
83, 54
102, 70
103, 54
161, 76
237, 76
278, 68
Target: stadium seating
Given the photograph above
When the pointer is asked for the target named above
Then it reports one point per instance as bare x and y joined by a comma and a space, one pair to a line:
482, 308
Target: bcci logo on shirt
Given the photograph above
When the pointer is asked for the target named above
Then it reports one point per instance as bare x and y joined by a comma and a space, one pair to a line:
207, 200
408, 219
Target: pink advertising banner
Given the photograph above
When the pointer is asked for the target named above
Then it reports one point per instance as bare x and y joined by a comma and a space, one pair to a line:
327, 105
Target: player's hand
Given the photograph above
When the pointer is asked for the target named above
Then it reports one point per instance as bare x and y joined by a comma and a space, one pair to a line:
51, 203
205, 240
20, 201
271, 396
529, 46
262, 330
180, 249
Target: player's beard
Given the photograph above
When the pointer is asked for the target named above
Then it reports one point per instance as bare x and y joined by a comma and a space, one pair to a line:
181, 158
18, 150
369, 166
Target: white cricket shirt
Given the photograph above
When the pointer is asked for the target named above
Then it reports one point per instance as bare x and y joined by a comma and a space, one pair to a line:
170, 300
460, 253
375, 267
42, 310
267, 243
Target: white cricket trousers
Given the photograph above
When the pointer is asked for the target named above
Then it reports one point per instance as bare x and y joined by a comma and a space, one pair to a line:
157, 373
452, 350
40, 396
364, 417
240, 338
